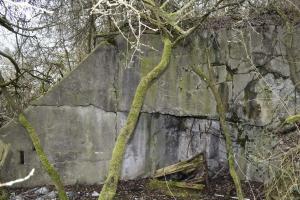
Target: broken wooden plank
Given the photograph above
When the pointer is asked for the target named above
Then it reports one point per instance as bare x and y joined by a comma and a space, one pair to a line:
179, 184
185, 167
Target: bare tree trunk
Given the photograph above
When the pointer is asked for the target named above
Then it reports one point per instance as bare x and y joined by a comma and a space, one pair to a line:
221, 111
37, 144
115, 165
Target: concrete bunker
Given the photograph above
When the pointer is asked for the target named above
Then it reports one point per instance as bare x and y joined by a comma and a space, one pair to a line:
79, 118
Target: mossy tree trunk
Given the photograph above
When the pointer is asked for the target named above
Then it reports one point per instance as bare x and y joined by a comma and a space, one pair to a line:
115, 165
210, 81
3, 194
4, 148
37, 144
55, 177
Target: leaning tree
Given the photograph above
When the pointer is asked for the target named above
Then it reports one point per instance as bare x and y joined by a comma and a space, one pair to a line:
173, 21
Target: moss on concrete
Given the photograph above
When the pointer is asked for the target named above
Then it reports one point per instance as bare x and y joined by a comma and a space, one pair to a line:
146, 66
115, 165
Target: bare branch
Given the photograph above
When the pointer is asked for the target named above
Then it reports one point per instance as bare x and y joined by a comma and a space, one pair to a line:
10, 183
17, 68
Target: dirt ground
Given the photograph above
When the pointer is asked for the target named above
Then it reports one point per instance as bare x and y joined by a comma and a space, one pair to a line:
221, 188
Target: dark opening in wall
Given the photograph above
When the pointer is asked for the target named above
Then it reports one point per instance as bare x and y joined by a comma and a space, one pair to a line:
33, 148
22, 157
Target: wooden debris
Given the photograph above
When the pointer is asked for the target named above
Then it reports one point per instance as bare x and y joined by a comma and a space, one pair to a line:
183, 178
176, 188
193, 170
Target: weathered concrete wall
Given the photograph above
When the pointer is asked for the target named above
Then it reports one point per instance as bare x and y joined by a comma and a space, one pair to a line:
78, 119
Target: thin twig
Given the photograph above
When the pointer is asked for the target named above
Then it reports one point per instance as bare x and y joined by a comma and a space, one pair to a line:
10, 183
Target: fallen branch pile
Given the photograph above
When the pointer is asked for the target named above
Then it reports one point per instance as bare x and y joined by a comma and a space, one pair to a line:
183, 178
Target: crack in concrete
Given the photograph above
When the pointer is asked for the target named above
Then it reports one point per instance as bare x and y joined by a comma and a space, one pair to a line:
115, 86
74, 106
199, 117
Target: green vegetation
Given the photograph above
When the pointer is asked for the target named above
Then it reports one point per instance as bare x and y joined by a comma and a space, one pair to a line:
210, 81
43, 158
176, 188
3, 194
115, 165
292, 119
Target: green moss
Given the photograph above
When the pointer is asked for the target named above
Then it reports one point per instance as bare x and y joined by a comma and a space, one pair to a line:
292, 119
115, 165
3, 194
4, 149
229, 77
43, 158
146, 65
210, 80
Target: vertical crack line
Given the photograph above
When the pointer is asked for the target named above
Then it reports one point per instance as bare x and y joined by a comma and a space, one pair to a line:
116, 125
115, 82
116, 91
